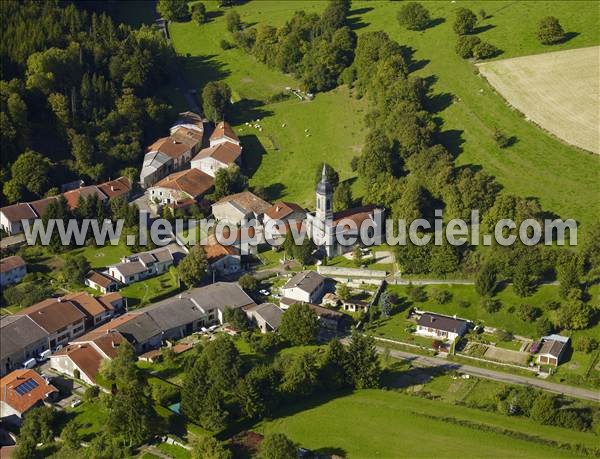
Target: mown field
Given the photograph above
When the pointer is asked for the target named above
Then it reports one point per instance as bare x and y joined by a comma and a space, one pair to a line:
284, 158
558, 91
386, 424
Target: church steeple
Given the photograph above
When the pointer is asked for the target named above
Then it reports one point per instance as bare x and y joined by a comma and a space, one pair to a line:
324, 197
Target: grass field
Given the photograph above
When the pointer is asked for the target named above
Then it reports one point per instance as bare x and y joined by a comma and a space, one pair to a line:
284, 159
150, 290
505, 318
558, 91
386, 424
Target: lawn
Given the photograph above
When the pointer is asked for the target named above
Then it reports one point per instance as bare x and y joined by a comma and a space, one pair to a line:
90, 417
284, 155
387, 424
505, 318
150, 290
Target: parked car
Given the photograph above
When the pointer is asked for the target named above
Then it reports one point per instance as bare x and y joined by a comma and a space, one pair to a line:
28, 364
264, 292
44, 355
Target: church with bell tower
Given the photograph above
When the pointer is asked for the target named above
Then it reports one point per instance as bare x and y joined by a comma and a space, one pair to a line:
325, 227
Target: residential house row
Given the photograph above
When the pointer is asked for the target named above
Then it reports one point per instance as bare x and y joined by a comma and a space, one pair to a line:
12, 217
52, 323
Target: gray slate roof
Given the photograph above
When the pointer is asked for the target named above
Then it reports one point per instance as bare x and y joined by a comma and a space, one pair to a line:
220, 295
18, 332
173, 313
270, 313
139, 329
307, 281
440, 322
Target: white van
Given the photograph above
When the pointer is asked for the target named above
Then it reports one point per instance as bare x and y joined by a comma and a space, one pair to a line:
44, 355
29, 363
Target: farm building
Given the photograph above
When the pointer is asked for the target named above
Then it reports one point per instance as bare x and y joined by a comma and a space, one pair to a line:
553, 350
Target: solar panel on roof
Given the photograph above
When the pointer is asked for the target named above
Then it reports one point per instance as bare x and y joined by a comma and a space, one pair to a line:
25, 387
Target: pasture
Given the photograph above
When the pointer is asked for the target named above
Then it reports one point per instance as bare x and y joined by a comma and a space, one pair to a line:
283, 159
388, 424
558, 91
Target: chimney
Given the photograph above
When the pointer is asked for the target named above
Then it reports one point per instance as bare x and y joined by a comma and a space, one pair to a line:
112, 188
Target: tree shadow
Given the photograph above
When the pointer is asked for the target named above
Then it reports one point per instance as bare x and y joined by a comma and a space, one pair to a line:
202, 69
359, 11
329, 451
356, 23
568, 36
439, 102
436, 22
275, 191
483, 28
247, 110
452, 140
212, 15
418, 65
252, 153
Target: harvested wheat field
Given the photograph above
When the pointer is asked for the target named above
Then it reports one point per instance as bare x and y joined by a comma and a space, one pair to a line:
559, 91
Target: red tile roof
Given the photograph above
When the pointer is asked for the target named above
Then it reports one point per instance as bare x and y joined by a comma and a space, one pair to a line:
100, 279
72, 196
193, 182
53, 314
10, 263
86, 303
18, 212
41, 205
170, 147
248, 201
87, 359
214, 252
226, 153
116, 188
282, 209
223, 129
23, 402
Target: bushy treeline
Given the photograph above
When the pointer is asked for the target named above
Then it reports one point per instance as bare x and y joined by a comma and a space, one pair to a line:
405, 168
315, 49
219, 389
76, 96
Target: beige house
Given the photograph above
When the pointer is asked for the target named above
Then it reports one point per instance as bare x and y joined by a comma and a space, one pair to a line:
553, 350
239, 208
181, 187
305, 287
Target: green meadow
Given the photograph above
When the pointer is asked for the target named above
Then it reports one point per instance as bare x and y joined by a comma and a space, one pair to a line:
297, 135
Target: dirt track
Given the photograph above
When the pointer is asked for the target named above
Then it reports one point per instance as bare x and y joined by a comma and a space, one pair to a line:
559, 91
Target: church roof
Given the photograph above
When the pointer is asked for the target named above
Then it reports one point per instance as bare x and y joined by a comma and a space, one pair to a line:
324, 187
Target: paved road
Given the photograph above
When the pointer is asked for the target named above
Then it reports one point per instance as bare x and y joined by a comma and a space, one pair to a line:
421, 360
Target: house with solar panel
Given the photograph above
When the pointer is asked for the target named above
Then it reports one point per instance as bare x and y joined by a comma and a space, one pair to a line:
20, 392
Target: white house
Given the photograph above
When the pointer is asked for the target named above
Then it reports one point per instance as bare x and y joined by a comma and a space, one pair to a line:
223, 133
101, 282
141, 266
441, 327
83, 357
304, 287
216, 157
179, 187
12, 270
